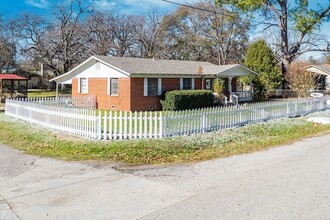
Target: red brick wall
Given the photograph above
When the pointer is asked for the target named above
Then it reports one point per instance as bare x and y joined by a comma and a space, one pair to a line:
131, 93
98, 87
169, 84
139, 102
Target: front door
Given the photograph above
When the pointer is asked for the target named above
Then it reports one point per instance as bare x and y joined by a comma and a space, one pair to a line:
208, 84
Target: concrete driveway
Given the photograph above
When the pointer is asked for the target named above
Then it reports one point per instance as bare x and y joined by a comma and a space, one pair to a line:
288, 182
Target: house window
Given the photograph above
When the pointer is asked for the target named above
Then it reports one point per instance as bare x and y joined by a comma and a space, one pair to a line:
152, 86
186, 83
113, 87
83, 85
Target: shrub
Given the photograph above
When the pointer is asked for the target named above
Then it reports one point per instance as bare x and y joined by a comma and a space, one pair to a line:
187, 99
301, 81
218, 86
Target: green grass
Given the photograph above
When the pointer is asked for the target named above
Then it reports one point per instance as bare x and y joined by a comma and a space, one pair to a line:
39, 93
38, 141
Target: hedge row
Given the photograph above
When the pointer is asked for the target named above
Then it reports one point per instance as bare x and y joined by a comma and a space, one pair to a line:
187, 99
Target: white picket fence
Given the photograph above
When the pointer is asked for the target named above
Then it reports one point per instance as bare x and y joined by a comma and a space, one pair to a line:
76, 121
113, 125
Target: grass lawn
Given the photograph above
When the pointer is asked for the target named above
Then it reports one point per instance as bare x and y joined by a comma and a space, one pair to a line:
40, 93
37, 141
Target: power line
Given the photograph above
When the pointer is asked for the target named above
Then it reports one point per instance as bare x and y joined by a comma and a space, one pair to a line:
225, 14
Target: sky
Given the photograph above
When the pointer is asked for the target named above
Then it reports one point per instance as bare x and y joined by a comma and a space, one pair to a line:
11, 8
14, 7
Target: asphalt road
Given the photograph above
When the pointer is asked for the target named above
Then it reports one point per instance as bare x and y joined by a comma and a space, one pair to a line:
288, 182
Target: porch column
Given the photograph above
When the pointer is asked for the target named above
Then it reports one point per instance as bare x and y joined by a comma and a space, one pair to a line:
251, 90
56, 89
230, 78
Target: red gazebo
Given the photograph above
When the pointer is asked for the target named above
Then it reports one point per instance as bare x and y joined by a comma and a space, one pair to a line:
11, 83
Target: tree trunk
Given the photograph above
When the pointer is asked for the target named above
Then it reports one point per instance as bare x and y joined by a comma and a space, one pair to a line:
285, 56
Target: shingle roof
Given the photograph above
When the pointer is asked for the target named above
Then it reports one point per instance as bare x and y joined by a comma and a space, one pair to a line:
324, 68
155, 66
11, 77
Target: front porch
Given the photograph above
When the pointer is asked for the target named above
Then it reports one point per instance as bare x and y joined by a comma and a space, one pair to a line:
233, 91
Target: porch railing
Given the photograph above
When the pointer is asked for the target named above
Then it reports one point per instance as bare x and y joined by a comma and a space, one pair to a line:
243, 95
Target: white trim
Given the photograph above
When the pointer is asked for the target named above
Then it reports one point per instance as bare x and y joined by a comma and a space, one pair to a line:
192, 84
86, 61
79, 85
145, 89
159, 86
181, 83
223, 73
79, 91
109, 86
86, 85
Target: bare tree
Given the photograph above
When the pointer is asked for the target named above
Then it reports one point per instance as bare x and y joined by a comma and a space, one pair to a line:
183, 38
70, 38
60, 43
301, 81
206, 33
101, 26
123, 31
8, 44
226, 31
148, 33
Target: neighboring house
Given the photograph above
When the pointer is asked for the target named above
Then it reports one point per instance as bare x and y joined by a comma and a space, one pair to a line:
136, 84
324, 72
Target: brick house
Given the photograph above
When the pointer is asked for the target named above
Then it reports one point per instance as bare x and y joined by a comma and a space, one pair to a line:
135, 84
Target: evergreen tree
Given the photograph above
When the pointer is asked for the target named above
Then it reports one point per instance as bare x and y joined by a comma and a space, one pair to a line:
260, 58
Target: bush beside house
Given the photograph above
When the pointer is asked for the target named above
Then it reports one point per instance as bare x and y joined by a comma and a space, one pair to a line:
187, 99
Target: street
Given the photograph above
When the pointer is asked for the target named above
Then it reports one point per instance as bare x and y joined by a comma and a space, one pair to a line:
287, 182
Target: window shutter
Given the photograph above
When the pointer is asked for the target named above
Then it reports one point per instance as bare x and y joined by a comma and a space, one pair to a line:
79, 91
109, 86
193, 83
181, 83
145, 86
159, 86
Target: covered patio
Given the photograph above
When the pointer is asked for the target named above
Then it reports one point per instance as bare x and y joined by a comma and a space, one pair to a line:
12, 85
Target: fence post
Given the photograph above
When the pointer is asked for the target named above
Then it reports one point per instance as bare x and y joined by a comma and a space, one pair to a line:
99, 130
288, 109
203, 122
